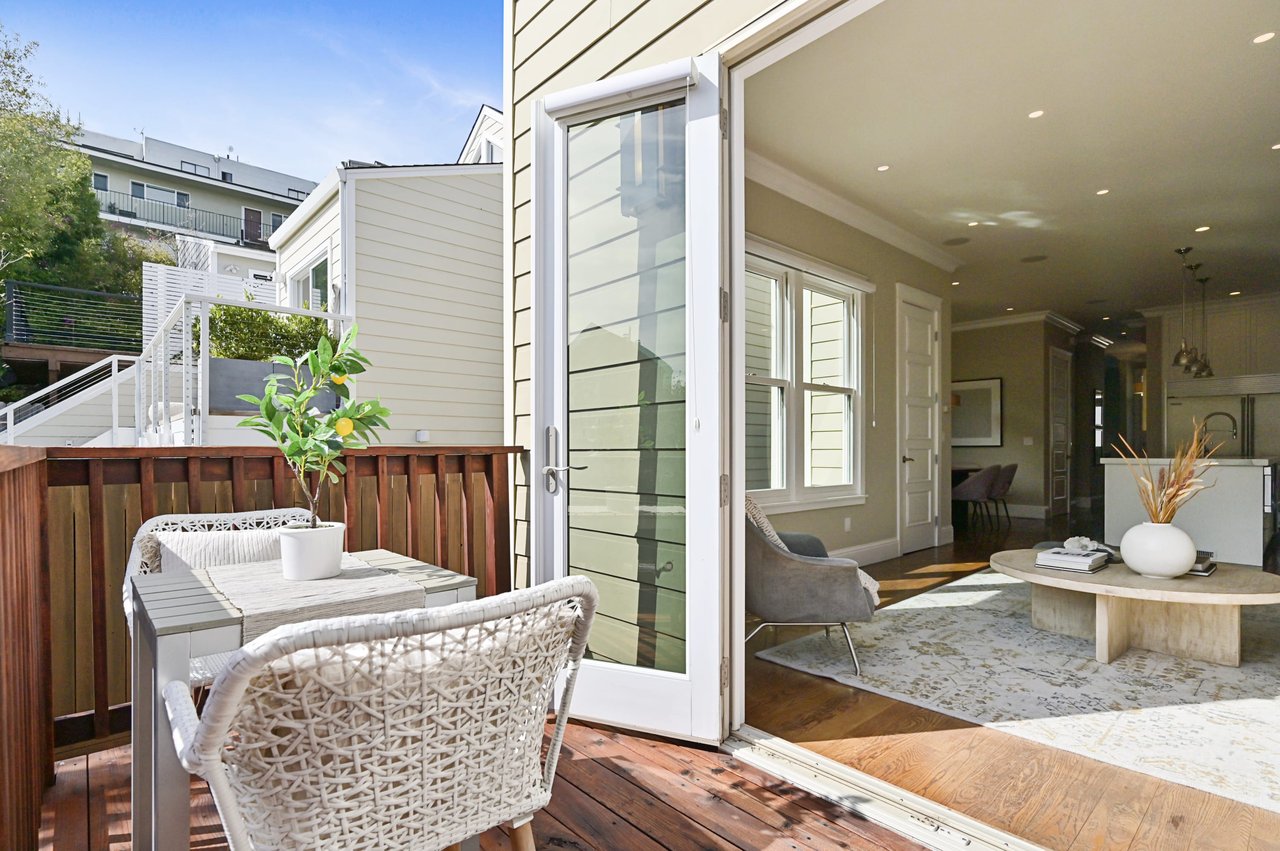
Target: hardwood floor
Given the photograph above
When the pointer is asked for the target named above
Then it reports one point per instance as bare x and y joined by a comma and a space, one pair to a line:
1055, 798
613, 791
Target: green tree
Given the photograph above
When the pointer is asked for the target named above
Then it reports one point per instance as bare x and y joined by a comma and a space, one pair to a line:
42, 181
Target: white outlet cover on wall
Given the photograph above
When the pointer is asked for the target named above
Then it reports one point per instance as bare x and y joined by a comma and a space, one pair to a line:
1028, 441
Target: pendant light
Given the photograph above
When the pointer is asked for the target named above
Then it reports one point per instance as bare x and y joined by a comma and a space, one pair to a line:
1185, 355
1202, 368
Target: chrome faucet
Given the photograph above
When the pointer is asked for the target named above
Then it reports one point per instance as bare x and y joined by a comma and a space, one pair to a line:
1235, 430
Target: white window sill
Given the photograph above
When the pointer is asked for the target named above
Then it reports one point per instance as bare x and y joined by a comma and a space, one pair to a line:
783, 503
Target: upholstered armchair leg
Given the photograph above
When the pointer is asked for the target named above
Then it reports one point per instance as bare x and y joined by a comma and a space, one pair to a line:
857, 666
522, 837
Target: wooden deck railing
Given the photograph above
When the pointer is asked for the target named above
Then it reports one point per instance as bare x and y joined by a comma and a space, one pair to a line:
26, 720
411, 500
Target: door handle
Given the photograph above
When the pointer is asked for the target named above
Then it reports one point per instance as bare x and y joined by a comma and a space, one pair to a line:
549, 470
905, 459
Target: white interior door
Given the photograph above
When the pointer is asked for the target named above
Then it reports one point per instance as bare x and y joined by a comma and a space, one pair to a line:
627, 468
918, 443
1059, 431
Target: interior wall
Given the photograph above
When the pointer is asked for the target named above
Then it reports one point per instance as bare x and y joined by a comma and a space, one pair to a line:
778, 218
1017, 354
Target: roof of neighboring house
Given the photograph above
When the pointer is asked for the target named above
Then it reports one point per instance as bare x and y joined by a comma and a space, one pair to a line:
486, 118
190, 163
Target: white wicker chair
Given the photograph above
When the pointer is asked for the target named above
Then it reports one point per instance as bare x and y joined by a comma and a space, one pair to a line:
203, 669
408, 730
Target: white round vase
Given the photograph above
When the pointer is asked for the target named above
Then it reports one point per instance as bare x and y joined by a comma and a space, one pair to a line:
312, 553
1158, 550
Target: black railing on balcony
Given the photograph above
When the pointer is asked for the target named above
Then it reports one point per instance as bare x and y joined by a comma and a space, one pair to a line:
149, 211
45, 315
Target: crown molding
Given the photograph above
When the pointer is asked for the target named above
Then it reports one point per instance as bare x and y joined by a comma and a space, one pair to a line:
1213, 305
770, 174
1047, 317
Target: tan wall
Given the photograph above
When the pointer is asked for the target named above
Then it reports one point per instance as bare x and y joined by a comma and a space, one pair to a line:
556, 44
428, 301
1018, 355
775, 217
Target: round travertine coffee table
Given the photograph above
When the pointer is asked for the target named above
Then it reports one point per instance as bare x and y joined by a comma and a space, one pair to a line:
1193, 617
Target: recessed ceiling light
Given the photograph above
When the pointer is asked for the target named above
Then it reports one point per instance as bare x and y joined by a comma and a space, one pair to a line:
1275, 147
882, 168
1263, 38
1202, 229
990, 223
973, 224
1105, 318
1234, 292
1124, 333
1036, 114
1009, 309
955, 283
1102, 192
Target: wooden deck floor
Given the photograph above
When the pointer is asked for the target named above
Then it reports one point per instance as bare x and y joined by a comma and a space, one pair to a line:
613, 791
1051, 797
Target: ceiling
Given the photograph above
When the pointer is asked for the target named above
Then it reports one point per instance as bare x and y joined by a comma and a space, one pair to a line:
1168, 104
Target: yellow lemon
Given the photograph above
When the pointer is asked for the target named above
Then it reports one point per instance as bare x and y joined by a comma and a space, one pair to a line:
339, 379
344, 426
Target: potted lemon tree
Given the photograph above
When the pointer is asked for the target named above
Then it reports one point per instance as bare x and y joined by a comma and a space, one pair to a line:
312, 441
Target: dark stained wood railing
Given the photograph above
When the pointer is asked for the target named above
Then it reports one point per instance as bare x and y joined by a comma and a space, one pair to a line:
26, 719
445, 505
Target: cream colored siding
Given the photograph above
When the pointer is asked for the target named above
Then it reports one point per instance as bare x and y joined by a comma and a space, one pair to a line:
428, 299
320, 236
557, 44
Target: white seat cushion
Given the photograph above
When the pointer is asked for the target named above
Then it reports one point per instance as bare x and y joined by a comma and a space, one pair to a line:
181, 552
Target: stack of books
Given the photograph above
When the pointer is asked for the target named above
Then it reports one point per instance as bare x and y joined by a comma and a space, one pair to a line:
1205, 565
1063, 559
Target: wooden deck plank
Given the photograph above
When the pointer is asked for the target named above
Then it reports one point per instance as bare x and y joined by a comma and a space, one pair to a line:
612, 791
64, 821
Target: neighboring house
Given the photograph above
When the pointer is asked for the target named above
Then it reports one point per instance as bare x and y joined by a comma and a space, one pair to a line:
162, 186
485, 141
414, 254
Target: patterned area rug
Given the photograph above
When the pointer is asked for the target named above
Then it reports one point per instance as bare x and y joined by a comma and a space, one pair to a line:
968, 650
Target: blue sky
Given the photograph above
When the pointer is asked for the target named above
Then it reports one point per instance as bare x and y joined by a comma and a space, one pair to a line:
293, 87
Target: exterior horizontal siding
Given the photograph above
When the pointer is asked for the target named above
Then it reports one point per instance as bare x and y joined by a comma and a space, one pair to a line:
427, 286
319, 236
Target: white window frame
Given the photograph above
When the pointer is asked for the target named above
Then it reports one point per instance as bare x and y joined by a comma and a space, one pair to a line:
797, 272
106, 180
149, 187
297, 194
194, 168
274, 224
299, 280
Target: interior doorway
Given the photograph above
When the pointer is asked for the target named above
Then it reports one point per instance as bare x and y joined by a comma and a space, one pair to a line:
919, 364
1060, 443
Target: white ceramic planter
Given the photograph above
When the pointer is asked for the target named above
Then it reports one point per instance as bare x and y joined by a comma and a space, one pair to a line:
312, 553
1158, 550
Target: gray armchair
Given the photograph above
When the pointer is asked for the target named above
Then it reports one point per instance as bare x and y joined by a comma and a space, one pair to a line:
803, 587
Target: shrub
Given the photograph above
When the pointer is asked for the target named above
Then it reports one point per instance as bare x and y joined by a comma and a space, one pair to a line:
243, 333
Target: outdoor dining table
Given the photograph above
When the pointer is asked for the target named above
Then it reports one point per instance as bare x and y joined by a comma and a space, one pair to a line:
178, 618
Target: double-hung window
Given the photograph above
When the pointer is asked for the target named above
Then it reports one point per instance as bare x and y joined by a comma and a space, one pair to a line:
802, 384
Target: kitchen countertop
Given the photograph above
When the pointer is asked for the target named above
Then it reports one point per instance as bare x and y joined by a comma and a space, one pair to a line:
1220, 462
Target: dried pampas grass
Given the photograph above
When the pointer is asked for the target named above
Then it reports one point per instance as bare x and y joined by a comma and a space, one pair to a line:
1165, 489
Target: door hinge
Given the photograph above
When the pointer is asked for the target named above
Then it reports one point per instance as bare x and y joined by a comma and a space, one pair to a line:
724, 122
724, 491
724, 305
935, 334
724, 673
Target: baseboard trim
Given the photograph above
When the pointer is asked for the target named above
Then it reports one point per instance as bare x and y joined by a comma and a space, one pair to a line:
870, 553
1029, 512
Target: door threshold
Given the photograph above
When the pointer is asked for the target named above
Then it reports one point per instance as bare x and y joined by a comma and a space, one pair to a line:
906, 813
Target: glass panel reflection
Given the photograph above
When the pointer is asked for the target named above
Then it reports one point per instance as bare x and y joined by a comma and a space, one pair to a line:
626, 382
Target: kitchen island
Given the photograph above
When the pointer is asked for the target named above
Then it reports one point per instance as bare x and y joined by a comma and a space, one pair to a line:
1234, 518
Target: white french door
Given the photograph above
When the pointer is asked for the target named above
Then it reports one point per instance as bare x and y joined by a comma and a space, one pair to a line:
629, 402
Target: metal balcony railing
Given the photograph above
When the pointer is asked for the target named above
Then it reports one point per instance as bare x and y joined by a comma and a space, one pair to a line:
148, 211
46, 315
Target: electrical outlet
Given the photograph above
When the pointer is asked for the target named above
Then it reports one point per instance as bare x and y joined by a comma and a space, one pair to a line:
848, 524
1028, 441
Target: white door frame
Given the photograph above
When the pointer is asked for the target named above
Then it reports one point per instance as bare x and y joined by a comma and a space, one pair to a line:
693, 704
905, 294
